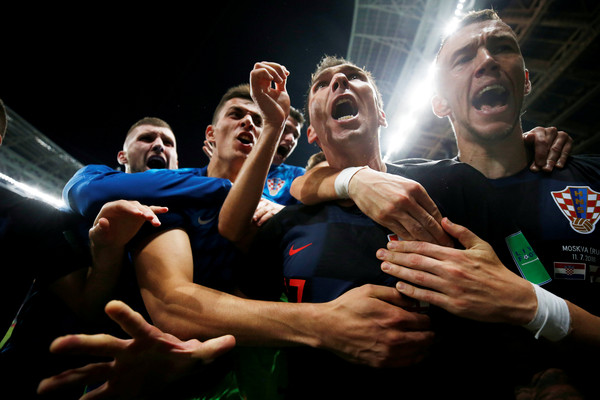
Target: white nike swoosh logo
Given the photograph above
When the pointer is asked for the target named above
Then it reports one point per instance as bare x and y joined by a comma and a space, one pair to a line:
205, 221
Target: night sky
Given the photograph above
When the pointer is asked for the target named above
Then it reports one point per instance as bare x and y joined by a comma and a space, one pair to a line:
82, 77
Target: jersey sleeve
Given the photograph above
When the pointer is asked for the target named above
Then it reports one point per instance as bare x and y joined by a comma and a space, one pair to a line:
94, 185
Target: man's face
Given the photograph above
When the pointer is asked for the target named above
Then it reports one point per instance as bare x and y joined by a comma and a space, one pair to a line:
148, 147
289, 140
482, 81
238, 127
342, 106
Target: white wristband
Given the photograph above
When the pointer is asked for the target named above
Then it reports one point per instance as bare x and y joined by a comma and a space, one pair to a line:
552, 319
343, 179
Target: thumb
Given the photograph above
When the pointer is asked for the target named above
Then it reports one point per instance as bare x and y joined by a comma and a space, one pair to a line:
100, 227
467, 238
213, 348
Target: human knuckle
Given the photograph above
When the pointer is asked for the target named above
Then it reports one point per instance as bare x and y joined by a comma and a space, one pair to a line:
556, 148
455, 272
399, 200
461, 306
419, 277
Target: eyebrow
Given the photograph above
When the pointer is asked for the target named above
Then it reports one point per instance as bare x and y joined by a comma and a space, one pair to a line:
462, 50
157, 133
495, 36
344, 68
242, 109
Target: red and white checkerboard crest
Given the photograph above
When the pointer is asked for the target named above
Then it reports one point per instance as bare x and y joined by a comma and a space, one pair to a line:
581, 206
274, 185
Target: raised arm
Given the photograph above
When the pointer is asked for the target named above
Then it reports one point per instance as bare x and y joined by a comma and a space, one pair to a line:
94, 185
267, 84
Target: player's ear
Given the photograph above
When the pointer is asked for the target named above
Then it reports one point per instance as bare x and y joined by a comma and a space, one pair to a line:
122, 157
440, 106
210, 133
311, 135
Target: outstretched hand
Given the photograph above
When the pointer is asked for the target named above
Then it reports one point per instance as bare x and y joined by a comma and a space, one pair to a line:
141, 365
470, 283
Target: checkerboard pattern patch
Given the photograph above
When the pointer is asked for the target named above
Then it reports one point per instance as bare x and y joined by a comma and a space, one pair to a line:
580, 205
274, 185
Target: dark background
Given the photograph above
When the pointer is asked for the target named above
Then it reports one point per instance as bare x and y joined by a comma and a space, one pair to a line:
83, 76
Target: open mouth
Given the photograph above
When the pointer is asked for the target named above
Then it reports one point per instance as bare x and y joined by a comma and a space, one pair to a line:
245, 138
344, 109
156, 162
490, 97
283, 151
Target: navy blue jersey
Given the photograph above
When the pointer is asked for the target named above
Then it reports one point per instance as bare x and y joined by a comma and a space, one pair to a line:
534, 221
319, 252
557, 214
314, 246
315, 254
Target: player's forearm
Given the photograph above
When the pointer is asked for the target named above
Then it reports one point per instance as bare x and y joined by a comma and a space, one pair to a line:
104, 274
194, 311
235, 218
316, 186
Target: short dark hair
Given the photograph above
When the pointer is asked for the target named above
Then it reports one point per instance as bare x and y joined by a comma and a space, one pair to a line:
152, 121
3, 120
237, 92
472, 17
333, 61
297, 115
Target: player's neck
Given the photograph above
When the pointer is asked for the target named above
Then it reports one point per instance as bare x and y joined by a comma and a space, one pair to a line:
221, 169
343, 160
497, 160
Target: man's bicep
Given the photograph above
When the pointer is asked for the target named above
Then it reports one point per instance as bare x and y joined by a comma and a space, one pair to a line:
162, 263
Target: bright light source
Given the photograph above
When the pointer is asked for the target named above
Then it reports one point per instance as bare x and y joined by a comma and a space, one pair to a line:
451, 25
418, 99
419, 92
33, 192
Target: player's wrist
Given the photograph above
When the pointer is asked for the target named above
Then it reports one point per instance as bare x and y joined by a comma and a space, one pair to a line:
307, 324
342, 181
552, 319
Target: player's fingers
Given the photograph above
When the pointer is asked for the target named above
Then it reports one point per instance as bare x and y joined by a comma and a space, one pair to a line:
213, 348
96, 345
129, 320
87, 375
